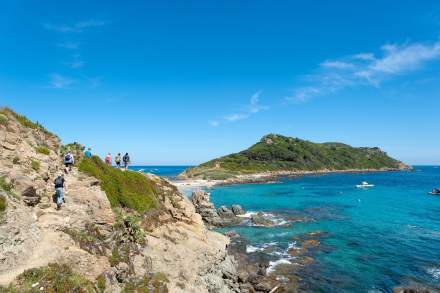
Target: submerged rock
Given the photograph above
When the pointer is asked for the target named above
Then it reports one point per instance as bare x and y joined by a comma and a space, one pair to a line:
260, 219
237, 210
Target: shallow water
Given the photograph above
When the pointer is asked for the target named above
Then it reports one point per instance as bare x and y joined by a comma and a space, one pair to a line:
372, 240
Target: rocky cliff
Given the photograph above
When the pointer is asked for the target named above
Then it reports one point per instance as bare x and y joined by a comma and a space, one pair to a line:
93, 244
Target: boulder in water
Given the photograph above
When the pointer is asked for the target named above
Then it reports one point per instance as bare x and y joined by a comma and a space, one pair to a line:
237, 210
260, 219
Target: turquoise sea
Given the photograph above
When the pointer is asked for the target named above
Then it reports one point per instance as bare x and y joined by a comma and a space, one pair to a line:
370, 240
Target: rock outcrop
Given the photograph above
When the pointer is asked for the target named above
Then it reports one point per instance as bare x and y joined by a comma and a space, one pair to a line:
220, 217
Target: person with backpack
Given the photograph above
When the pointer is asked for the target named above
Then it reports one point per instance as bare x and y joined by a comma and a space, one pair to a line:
118, 160
68, 161
88, 153
60, 188
126, 159
108, 160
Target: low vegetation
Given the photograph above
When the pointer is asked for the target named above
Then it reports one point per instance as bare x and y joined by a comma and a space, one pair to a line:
3, 119
51, 278
16, 160
24, 121
89, 239
149, 283
42, 150
127, 189
35, 165
281, 153
5, 186
2, 203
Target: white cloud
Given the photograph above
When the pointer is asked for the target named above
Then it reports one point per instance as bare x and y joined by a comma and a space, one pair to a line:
77, 27
366, 69
364, 56
336, 64
252, 108
58, 81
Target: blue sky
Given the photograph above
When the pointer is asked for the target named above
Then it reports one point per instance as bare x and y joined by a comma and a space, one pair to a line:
181, 82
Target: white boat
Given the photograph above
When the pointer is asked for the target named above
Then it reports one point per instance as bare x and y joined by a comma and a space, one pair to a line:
364, 185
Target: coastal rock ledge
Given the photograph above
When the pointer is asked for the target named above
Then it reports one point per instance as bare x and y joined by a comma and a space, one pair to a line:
221, 217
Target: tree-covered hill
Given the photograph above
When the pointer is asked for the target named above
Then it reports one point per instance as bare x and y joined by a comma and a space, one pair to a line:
280, 153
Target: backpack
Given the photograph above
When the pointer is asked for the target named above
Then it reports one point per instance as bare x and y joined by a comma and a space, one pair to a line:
68, 158
59, 181
126, 158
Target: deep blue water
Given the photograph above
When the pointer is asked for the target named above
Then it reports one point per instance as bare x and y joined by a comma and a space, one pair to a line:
375, 239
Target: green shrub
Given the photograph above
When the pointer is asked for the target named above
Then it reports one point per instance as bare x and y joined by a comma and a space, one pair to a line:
43, 150
5, 186
35, 165
3, 119
126, 189
2, 203
16, 160
53, 278
89, 239
157, 281
100, 283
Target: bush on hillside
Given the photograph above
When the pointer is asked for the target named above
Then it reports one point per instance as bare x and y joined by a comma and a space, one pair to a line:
35, 165
128, 189
5, 186
52, 278
3, 119
42, 150
2, 203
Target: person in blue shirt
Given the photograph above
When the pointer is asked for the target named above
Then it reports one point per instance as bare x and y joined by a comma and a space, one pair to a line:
88, 153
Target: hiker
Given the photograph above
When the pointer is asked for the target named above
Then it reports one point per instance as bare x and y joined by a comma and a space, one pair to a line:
126, 159
68, 162
108, 159
118, 160
88, 153
60, 187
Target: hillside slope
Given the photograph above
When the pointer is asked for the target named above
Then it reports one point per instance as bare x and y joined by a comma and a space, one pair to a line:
277, 153
118, 231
